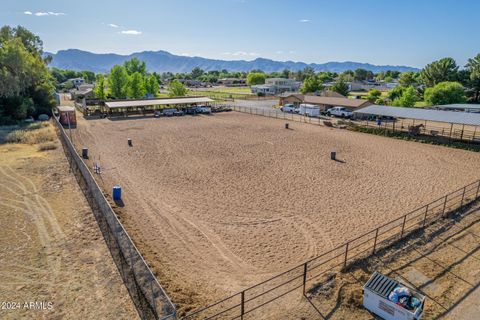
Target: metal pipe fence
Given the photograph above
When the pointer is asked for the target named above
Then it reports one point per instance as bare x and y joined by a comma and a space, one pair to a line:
147, 294
248, 303
446, 132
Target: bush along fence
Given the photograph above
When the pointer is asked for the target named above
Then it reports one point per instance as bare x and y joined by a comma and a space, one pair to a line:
251, 302
147, 294
403, 128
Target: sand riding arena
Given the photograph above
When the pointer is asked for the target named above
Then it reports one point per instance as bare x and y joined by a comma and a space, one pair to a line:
216, 203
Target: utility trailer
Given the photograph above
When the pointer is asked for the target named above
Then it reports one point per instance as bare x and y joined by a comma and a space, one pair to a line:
376, 293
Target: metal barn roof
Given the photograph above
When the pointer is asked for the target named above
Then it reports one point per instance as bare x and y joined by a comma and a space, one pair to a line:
156, 102
458, 106
456, 117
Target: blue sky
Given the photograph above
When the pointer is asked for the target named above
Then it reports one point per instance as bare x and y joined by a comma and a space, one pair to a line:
399, 32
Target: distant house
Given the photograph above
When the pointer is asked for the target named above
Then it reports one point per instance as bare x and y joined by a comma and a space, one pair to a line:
369, 85
324, 102
83, 91
193, 83
276, 86
76, 82
232, 82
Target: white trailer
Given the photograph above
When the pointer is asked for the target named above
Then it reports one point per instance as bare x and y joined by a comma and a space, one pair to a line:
309, 110
376, 299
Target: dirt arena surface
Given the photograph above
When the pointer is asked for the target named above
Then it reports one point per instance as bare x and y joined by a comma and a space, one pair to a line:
218, 203
52, 252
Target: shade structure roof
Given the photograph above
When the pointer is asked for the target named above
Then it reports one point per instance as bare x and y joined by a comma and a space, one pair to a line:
456, 117
65, 108
156, 102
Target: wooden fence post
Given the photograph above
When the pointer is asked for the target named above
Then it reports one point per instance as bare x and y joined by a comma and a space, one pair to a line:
346, 254
425, 218
242, 306
304, 277
444, 206
375, 241
478, 189
403, 225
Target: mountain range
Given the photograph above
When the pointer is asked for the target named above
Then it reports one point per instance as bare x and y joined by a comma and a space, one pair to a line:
163, 61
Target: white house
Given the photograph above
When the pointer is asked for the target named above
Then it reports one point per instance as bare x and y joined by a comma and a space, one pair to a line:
276, 86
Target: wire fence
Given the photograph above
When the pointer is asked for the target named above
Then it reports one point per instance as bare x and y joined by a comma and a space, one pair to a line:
250, 303
450, 132
147, 294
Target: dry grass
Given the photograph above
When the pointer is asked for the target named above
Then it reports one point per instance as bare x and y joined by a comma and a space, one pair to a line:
38, 132
47, 146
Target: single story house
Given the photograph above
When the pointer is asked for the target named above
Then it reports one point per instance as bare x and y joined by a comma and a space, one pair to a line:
232, 82
324, 102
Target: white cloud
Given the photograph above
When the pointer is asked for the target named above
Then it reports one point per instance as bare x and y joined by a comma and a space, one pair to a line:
43, 14
279, 52
240, 53
131, 32
113, 25
304, 20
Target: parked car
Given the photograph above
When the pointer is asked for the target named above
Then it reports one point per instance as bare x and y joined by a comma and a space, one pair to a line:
289, 108
178, 113
340, 112
204, 109
158, 114
191, 110
169, 112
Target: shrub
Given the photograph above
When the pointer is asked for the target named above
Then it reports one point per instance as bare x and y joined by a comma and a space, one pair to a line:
39, 132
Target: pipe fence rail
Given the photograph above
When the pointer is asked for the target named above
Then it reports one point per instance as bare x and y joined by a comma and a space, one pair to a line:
248, 303
401, 126
147, 294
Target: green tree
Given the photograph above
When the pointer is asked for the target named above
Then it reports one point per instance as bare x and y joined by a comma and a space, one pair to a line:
347, 75
176, 89
26, 86
407, 79
407, 99
373, 95
395, 93
341, 86
311, 84
197, 73
439, 71
473, 66
100, 92
445, 93
117, 82
254, 78
151, 85
362, 74
89, 76
135, 65
136, 88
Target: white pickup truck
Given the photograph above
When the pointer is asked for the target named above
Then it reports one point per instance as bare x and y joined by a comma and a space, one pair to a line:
340, 112
290, 108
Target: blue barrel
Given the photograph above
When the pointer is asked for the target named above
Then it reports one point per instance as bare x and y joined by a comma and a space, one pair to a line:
117, 193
